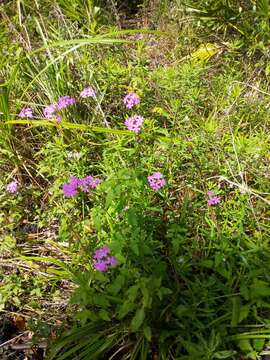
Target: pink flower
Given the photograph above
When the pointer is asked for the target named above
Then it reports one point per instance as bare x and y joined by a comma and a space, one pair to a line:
102, 261
213, 199
101, 266
12, 187
26, 112
112, 261
131, 100
88, 92
70, 188
134, 123
88, 182
156, 181
65, 101
50, 110
101, 253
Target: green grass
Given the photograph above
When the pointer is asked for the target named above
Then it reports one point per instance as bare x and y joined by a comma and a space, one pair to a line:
192, 280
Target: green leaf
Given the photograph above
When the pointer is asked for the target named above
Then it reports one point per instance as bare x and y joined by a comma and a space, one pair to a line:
244, 345
138, 319
125, 309
224, 354
258, 344
104, 315
134, 246
204, 52
68, 125
147, 333
236, 308
117, 284
260, 288
244, 311
100, 300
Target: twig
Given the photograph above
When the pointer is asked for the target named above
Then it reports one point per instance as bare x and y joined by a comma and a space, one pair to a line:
252, 87
26, 346
13, 339
243, 188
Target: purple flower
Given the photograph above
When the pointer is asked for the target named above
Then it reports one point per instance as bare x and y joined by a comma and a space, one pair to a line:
65, 101
88, 183
95, 183
102, 261
58, 117
213, 199
134, 123
131, 100
101, 253
12, 187
49, 111
88, 92
26, 112
101, 266
70, 188
156, 181
112, 261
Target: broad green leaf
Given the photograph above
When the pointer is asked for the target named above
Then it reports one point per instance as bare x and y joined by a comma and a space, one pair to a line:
258, 344
117, 284
244, 345
244, 311
138, 319
126, 307
260, 288
147, 333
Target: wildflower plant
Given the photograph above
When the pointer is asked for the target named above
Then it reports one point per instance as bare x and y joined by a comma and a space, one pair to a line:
163, 267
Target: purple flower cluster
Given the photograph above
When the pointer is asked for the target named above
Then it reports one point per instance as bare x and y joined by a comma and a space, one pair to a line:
70, 188
102, 260
65, 101
12, 187
212, 198
88, 92
134, 123
49, 111
26, 112
156, 181
131, 99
